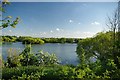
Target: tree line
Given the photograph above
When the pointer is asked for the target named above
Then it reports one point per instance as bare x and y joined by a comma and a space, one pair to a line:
31, 40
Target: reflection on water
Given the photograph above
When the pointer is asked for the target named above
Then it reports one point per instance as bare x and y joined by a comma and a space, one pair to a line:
66, 53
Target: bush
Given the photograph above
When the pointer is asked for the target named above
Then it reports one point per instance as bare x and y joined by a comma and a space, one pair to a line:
39, 72
46, 58
13, 59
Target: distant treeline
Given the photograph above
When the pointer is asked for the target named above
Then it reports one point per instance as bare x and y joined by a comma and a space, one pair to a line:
32, 40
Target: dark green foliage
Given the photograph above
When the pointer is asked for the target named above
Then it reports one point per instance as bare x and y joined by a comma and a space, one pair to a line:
62, 40
56, 72
27, 57
9, 38
99, 48
7, 21
70, 40
59, 40
31, 40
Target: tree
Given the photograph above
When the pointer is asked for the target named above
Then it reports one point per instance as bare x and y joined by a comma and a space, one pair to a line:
81, 55
6, 22
114, 25
27, 57
62, 40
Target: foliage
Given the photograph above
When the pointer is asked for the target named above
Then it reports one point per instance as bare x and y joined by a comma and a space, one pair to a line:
9, 38
99, 47
31, 40
13, 58
56, 72
7, 21
27, 57
81, 55
70, 40
100, 50
43, 66
103, 49
46, 58
39, 72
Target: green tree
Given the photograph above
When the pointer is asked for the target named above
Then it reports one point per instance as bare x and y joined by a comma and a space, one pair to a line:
6, 21
62, 40
114, 25
69, 40
27, 57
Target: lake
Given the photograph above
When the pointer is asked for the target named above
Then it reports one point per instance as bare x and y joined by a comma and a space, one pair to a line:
66, 53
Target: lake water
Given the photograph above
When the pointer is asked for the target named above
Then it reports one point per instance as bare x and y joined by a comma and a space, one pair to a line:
66, 53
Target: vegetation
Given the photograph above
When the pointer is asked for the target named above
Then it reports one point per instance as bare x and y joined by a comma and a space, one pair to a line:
7, 21
99, 49
55, 72
31, 40
99, 58
30, 65
104, 49
27, 57
9, 38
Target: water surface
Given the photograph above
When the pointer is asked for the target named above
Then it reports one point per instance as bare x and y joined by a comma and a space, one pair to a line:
66, 53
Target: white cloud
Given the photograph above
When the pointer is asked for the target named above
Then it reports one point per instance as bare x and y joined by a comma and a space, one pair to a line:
57, 29
70, 21
44, 33
79, 23
51, 31
34, 34
79, 34
95, 23
10, 30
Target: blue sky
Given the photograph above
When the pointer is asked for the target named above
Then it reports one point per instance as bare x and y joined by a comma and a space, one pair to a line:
64, 0
59, 19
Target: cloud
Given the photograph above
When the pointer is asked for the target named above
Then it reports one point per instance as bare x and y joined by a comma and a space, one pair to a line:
84, 34
79, 23
51, 31
44, 33
70, 21
34, 34
10, 31
95, 23
57, 29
